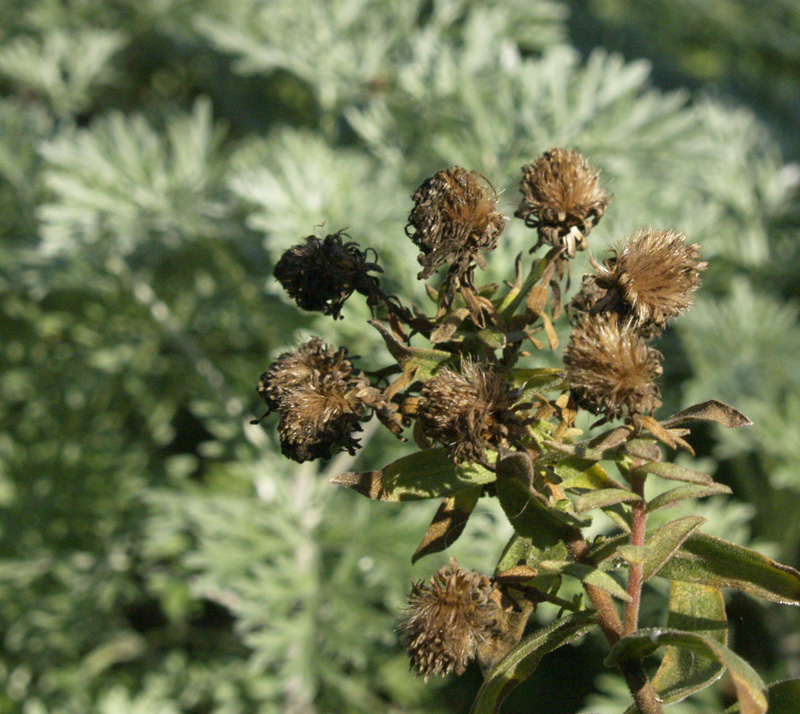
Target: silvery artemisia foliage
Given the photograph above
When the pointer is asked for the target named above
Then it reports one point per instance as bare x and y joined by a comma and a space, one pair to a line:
137, 235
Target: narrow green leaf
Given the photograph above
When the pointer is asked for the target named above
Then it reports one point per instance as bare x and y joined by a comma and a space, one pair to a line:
699, 609
663, 543
587, 574
424, 474
527, 510
681, 493
449, 521
782, 697
537, 380
674, 472
521, 551
750, 690
705, 559
493, 339
427, 361
604, 497
577, 473
520, 663
712, 410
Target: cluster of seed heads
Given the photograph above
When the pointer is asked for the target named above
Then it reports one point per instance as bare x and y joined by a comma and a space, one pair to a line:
470, 405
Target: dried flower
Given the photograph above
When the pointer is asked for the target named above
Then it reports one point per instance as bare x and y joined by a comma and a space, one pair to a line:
464, 410
611, 369
320, 398
454, 218
321, 274
651, 279
447, 619
562, 199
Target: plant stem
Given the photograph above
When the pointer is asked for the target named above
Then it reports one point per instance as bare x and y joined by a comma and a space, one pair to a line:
607, 616
636, 570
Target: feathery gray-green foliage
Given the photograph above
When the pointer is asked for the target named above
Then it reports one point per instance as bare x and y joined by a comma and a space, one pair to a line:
156, 553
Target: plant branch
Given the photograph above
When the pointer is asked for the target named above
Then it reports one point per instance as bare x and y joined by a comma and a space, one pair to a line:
636, 570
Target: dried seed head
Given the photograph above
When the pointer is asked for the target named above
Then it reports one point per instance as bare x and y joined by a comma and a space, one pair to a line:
320, 398
454, 218
464, 410
562, 199
611, 369
447, 619
321, 274
650, 279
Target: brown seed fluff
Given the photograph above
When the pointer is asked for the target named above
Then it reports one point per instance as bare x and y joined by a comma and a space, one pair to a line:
562, 199
454, 218
447, 619
320, 274
319, 397
610, 368
650, 279
466, 409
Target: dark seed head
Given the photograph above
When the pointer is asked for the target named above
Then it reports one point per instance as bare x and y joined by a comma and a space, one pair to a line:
467, 409
611, 369
650, 279
562, 199
447, 619
320, 399
453, 221
321, 274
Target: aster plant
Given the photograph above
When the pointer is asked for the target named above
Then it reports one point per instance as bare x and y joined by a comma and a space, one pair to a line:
489, 422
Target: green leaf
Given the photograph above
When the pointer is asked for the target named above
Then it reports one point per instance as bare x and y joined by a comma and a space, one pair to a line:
676, 495
449, 521
522, 551
705, 559
533, 381
712, 410
699, 609
424, 474
578, 473
782, 698
587, 574
520, 663
428, 362
527, 510
750, 690
604, 497
663, 543
673, 472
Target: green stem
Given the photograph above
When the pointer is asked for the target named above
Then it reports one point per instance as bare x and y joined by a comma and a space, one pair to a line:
636, 570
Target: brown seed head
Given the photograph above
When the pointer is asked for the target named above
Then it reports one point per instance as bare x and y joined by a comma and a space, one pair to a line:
320, 399
454, 218
464, 410
447, 619
650, 279
321, 274
611, 369
562, 199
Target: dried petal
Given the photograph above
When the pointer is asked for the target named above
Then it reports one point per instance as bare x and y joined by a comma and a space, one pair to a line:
321, 274
650, 279
562, 199
447, 619
454, 218
611, 369
464, 410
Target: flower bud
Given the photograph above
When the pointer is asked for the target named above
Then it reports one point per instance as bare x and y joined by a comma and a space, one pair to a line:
610, 368
562, 199
447, 619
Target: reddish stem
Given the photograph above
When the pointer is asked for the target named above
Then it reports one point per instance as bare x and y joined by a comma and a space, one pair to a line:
636, 570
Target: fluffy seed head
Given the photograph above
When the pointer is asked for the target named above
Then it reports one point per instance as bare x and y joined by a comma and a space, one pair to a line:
611, 369
454, 218
562, 199
466, 409
321, 274
447, 619
320, 399
650, 279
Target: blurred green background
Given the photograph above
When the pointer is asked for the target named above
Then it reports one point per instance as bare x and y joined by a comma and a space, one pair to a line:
157, 554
